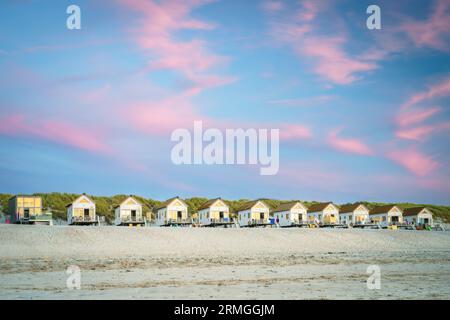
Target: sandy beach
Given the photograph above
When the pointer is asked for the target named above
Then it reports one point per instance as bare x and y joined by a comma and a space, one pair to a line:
193, 263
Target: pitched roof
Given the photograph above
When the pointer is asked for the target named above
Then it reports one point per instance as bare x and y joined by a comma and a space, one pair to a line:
286, 206
350, 207
209, 203
83, 195
168, 201
413, 211
250, 204
137, 201
319, 206
383, 209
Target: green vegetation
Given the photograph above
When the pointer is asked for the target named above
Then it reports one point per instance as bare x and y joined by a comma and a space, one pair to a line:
56, 202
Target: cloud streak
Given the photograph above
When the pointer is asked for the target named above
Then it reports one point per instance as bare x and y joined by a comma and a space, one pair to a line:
55, 130
330, 60
348, 145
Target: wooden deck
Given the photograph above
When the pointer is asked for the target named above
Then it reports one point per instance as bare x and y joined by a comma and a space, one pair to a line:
258, 225
132, 223
221, 224
367, 225
333, 225
297, 225
83, 223
177, 223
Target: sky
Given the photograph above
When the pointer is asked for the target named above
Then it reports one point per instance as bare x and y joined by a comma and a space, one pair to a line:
364, 115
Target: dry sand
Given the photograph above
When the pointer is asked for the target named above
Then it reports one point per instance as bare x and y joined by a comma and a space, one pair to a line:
191, 263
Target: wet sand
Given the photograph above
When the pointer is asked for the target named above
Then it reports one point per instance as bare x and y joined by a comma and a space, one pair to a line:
191, 263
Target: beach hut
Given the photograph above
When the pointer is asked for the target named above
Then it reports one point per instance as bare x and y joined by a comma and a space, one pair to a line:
214, 212
27, 209
81, 211
129, 213
387, 215
172, 212
418, 216
254, 213
354, 214
324, 214
293, 213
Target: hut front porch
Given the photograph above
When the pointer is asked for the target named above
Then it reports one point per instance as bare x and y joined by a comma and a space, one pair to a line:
177, 223
220, 223
83, 221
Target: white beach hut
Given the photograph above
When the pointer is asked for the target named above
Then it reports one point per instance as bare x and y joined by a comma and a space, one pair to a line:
326, 214
387, 215
418, 216
172, 212
354, 214
214, 212
81, 211
129, 213
254, 213
293, 213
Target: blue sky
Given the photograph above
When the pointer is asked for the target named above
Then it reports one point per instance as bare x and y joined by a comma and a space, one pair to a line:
363, 114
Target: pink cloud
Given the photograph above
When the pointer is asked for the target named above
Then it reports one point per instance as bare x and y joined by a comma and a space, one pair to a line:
155, 34
163, 116
294, 132
411, 119
272, 6
55, 130
329, 59
304, 102
418, 133
422, 133
433, 32
350, 145
437, 90
414, 161
200, 83
332, 62
416, 116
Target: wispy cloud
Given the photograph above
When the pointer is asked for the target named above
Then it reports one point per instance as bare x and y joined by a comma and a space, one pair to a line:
272, 6
329, 58
413, 160
415, 112
155, 33
437, 90
304, 102
349, 145
295, 132
55, 130
433, 32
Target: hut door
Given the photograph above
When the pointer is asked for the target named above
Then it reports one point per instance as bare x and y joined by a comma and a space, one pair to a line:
179, 215
261, 215
26, 213
86, 214
133, 215
221, 214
